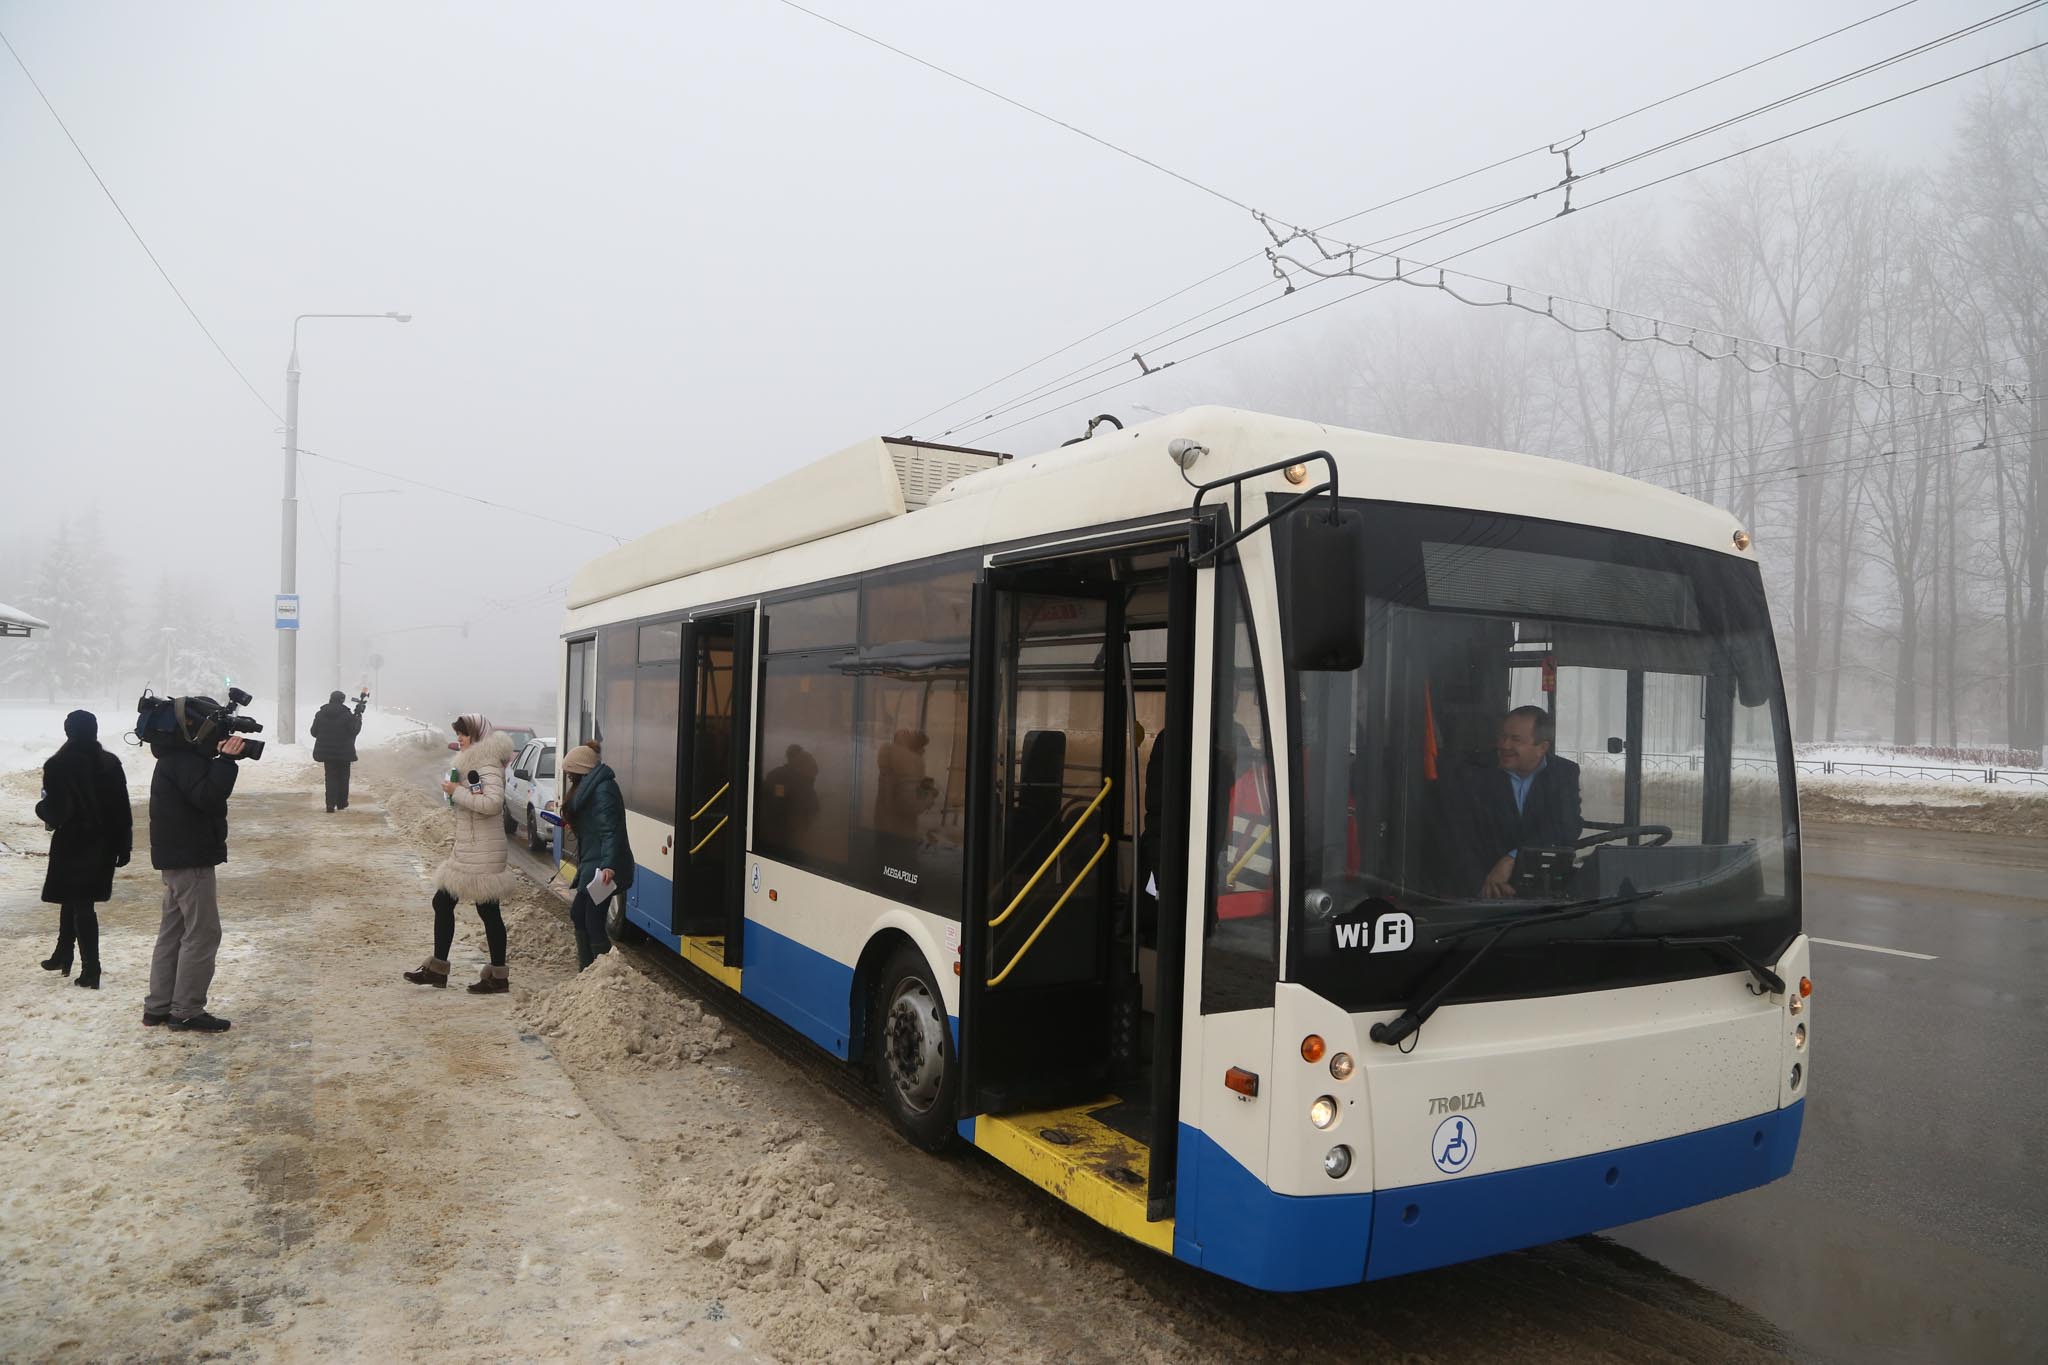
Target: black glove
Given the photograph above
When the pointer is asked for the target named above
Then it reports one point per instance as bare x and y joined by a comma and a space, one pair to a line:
121, 858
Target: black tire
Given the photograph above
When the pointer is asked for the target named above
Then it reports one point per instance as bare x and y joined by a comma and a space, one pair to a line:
621, 929
910, 1051
511, 826
534, 842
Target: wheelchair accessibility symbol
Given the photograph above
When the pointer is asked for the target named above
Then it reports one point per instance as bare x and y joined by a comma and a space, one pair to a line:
1455, 1144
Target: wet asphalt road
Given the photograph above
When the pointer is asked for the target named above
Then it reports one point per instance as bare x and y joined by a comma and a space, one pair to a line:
1914, 1225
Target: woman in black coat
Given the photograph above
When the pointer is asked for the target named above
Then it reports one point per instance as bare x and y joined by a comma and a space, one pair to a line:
85, 803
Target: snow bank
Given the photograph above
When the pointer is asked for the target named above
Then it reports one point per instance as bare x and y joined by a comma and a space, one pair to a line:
834, 1276
614, 1018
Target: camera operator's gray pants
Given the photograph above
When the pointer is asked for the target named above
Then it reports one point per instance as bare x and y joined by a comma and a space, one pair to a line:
186, 942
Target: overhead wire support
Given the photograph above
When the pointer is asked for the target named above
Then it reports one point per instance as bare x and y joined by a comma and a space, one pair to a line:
1376, 283
1445, 183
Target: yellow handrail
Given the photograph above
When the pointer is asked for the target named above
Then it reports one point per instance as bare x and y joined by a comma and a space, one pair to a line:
709, 804
707, 838
1079, 821
1072, 887
1230, 877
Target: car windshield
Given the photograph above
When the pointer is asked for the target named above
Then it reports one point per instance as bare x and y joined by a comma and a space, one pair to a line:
1545, 713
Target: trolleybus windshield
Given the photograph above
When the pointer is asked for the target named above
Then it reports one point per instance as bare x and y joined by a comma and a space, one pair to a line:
1545, 712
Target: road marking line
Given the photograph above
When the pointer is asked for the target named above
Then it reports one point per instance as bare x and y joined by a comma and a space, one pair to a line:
1873, 948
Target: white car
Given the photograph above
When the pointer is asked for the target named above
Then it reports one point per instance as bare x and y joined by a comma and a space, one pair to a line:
530, 789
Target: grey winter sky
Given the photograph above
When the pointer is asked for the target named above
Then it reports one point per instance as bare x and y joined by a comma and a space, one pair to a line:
658, 253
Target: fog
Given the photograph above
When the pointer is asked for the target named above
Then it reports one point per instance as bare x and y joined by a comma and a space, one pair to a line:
655, 255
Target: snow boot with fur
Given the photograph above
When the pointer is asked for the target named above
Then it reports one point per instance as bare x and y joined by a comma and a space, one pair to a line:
432, 972
494, 981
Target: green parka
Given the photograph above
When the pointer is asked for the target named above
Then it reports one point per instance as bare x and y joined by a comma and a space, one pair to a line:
596, 812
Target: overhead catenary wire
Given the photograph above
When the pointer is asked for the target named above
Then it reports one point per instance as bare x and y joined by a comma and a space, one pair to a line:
136, 233
1014, 103
1607, 199
1538, 149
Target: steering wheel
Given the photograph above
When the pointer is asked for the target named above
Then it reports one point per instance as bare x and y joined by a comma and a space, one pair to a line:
1659, 835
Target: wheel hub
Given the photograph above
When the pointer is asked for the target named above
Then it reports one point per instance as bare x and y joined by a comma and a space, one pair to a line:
913, 1045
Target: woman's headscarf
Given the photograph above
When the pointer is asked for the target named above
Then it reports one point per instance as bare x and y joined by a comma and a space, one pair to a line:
474, 724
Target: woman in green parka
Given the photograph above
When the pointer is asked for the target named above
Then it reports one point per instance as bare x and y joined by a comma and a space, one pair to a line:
595, 812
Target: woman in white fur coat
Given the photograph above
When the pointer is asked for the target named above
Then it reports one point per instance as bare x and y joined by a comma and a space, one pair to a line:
475, 870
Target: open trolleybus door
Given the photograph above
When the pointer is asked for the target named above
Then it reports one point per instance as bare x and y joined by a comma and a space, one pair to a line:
712, 768
1051, 1044
1037, 958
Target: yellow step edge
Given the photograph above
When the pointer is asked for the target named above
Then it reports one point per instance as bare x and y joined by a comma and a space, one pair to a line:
1076, 1171
708, 955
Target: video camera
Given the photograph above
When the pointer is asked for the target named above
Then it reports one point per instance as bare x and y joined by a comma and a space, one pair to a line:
196, 722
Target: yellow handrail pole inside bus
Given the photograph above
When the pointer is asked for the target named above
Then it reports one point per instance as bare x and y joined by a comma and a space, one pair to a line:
707, 838
1072, 887
1230, 877
1079, 821
708, 804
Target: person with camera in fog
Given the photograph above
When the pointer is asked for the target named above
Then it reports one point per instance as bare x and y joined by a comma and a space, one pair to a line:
196, 744
335, 729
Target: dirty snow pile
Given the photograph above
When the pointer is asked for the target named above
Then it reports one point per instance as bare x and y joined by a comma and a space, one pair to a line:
805, 1235
613, 1017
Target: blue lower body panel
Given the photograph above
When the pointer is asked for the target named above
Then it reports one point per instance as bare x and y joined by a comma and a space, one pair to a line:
801, 986
1459, 1220
649, 902
1229, 1222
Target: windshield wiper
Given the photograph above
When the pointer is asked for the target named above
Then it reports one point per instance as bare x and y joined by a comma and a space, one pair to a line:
1727, 945
1393, 1032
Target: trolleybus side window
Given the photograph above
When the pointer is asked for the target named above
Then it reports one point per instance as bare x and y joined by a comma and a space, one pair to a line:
657, 695
580, 712
618, 654
1242, 924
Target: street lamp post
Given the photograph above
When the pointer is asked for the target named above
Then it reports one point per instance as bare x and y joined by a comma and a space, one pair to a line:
288, 557
359, 493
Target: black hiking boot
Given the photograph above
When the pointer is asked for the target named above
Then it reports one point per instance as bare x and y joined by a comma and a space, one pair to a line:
201, 1022
152, 1020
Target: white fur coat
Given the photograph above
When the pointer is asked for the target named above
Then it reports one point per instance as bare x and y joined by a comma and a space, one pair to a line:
475, 870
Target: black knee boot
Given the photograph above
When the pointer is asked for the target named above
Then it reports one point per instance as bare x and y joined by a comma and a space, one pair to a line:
60, 961
85, 923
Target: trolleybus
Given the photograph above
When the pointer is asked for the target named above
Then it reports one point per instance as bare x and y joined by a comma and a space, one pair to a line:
1315, 855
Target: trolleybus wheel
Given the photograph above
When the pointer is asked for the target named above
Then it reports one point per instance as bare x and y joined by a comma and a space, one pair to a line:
621, 929
910, 1046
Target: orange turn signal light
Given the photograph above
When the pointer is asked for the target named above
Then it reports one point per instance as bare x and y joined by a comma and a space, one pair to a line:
1312, 1048
1805, 987
1244, 1082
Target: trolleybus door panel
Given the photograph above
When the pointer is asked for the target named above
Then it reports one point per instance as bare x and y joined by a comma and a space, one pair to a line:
712, 771
1039, 930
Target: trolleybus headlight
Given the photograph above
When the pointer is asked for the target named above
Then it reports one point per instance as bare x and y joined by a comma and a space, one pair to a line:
1337, 1161
1341, 1066
1312, 1048
1323, 1112
1797, 1075
1799, 1038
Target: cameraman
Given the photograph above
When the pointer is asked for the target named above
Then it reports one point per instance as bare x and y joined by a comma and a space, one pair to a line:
188, 838
334, 744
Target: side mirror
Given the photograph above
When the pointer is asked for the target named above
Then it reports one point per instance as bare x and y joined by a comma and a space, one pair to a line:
1615, 744
522, 774
1322, 616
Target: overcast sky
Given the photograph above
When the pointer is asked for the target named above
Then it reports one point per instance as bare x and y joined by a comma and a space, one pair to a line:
659, 253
